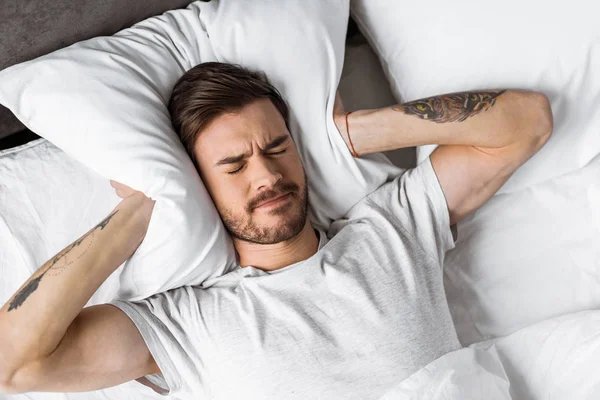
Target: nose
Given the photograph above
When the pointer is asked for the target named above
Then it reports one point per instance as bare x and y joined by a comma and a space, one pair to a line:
265, 173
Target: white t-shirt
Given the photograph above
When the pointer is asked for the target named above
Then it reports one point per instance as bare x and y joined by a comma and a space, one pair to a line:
350, 322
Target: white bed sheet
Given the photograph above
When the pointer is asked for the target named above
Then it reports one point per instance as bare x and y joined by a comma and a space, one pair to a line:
556, 359
47, 200
527, 256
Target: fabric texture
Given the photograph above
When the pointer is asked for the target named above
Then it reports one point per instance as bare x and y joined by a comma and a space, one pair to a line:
465, 374
553, 359
103, 101
360, 315
531, 252
47, 200
33, 28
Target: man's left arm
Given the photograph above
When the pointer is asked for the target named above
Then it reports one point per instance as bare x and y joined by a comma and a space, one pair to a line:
484, 136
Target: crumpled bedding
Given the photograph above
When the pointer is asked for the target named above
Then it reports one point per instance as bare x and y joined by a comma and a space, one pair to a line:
554, 359
466, 374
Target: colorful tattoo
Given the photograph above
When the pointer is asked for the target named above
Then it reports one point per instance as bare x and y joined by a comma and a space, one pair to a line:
450, 107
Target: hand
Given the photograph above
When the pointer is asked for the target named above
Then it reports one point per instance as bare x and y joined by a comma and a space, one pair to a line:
137, 208
122, 191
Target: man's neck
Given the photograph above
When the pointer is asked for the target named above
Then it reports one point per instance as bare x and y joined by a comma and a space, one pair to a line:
269, 257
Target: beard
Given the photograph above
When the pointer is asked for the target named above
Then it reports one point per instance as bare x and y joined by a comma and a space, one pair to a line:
293, 217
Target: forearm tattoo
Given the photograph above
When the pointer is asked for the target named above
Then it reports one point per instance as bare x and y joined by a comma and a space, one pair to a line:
450, 107
31, 287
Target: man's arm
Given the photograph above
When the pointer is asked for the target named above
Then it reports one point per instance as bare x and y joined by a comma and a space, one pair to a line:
48, 342
484, 136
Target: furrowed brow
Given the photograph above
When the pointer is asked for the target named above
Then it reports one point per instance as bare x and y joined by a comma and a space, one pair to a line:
236, 159
231, 159
276, 142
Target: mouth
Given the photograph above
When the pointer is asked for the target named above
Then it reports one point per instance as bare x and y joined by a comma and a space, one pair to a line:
274, 202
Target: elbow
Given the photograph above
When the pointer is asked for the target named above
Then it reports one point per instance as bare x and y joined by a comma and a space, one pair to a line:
545, 117
532, 121
6, 386
9, 385
19, 378
8, 373
8, 370
542, 120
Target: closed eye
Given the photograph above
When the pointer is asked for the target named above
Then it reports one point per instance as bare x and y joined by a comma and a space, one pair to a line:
273, 153
277, 152
235, 171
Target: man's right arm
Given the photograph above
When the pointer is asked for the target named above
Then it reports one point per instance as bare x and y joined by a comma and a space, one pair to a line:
101, 348
49, 343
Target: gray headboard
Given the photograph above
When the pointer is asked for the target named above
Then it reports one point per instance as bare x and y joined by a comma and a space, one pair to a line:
32, 28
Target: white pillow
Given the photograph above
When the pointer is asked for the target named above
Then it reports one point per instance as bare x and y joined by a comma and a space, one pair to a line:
531, 252
47, 199
103, 101
527, 256
550, 46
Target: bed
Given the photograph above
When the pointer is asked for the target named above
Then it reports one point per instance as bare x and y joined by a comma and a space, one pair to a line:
523, 282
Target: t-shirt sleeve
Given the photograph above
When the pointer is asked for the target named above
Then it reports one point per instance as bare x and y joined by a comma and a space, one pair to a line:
164, 321
415, 199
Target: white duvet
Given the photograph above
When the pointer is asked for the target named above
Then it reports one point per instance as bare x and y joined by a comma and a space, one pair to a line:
555, 359
466, 374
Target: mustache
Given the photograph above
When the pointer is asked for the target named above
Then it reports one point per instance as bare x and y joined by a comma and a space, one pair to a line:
271, 194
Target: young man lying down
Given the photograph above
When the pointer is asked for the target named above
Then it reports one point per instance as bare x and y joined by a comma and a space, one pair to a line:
343, 314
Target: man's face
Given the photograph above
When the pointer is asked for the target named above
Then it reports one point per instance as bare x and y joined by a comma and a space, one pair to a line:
247, 159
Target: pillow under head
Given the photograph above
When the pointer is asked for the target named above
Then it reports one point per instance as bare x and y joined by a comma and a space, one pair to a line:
104, 102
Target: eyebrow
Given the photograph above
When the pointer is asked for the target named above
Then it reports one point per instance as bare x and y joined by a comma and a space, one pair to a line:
271, 145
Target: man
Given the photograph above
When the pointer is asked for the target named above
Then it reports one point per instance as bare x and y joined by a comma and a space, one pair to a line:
345, 314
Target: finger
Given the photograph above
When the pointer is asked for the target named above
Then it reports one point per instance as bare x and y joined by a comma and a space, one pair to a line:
122, 190
118, 185
123, 187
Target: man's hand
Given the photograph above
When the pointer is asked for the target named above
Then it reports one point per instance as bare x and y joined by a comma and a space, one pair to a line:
140, 207
122, 190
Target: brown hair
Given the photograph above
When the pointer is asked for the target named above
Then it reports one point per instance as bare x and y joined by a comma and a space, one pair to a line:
211, 89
